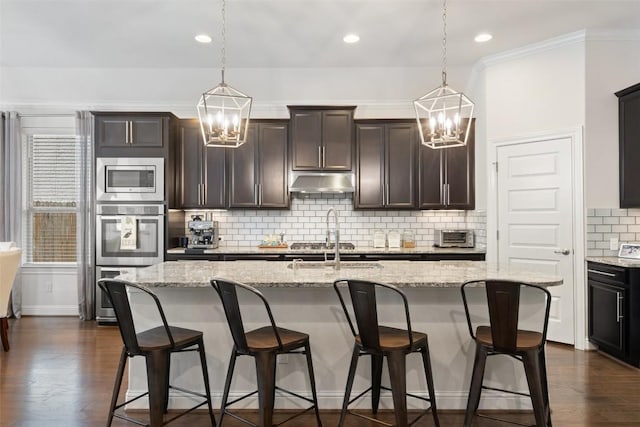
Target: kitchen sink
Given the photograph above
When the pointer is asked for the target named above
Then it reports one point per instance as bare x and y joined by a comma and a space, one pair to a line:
319, 246
303, 265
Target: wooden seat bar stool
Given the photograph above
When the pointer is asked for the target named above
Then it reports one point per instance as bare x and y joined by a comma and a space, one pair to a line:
156, 345
503, 336
382, 342
264, 344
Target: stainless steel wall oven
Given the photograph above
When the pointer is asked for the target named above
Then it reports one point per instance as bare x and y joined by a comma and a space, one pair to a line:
127, 235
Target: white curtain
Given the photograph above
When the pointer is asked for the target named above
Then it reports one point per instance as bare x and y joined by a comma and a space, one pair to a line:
85, 220
11, 194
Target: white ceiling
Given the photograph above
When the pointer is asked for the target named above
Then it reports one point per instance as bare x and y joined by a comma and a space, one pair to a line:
288, 33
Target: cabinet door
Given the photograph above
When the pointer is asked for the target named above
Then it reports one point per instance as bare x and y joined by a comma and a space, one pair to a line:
431, 178
370, 148
214, 177
243, 191
146, 132
606, 317
190, 148
306, 140
629, 144
273, 190
400, 154
337, 140
460, 174
112, 131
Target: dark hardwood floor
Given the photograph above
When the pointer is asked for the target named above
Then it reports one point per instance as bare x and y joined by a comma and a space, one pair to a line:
60, 372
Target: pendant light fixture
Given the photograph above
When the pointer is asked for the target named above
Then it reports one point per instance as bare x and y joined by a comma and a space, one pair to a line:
224, 111
444, 115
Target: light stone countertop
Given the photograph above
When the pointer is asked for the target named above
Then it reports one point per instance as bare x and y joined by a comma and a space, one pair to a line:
615, 261
277, 274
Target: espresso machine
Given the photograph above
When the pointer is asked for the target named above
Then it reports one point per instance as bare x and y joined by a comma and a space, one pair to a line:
204, 233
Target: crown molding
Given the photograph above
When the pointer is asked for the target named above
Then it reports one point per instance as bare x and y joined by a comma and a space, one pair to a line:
273, 110
534, 48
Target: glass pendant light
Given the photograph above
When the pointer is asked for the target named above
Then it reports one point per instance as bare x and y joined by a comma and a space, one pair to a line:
224, 111
444, 114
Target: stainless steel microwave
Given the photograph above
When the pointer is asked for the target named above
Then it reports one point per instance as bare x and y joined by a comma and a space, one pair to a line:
128, 179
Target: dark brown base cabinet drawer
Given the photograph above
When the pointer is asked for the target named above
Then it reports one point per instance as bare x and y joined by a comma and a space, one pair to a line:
614, 306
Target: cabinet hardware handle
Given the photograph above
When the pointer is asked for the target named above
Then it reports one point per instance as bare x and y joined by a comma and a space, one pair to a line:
199, 195
324, 157
319, 156
130, 132
260, 199
604, 273
619, 315
126, 132
448, 194
204, 194
565, 252
255, 193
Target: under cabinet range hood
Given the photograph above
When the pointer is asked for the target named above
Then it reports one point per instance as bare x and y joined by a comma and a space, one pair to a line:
321, 182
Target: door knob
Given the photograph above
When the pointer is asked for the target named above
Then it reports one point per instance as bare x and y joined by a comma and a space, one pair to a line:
562, 251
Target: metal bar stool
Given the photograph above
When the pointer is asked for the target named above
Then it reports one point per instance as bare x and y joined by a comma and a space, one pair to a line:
380, 342
264, 344
156, 345
503, 336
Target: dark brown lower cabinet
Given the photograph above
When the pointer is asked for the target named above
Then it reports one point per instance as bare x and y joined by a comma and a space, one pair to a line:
258, 168
386, 153
614, 310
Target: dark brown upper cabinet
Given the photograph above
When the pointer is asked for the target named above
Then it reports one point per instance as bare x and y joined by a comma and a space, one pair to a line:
258, 168
386, 164
321, 138
131, 134
447, 178
201, 172
629, 145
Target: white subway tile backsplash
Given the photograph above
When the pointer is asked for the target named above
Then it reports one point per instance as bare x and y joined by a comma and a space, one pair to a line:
603, 212
611, 220
305, 221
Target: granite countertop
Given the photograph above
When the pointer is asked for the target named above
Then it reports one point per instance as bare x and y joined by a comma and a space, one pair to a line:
357, 250
615, 261
277, 274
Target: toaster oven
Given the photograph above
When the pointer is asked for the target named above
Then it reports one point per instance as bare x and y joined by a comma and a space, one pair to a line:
454, 239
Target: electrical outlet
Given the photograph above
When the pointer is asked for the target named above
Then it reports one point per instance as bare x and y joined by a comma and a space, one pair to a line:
613, 243
283, 358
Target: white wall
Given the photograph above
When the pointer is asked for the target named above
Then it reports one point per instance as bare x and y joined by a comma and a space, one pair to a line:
378, 92
611, 65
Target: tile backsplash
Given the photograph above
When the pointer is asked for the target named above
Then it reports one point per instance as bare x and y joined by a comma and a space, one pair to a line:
611, 223
306, 222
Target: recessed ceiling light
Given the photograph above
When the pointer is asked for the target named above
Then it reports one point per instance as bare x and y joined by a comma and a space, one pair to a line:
483, 37
203, 38
351, 38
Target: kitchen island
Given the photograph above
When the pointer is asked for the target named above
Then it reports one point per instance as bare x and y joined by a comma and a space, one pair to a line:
302, 298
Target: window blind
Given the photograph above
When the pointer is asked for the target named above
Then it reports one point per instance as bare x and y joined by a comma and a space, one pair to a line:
53, 186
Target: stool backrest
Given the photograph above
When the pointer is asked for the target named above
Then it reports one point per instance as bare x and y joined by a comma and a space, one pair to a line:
227, 290
363, 300
116, 291
503, 301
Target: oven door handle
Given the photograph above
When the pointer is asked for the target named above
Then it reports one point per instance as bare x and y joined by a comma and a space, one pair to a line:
110, 217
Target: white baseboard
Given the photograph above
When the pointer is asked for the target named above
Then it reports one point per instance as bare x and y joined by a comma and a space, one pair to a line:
50, 310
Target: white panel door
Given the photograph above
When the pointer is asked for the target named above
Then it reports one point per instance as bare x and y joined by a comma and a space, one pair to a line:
535, 220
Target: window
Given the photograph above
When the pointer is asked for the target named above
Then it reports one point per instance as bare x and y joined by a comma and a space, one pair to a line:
51, 198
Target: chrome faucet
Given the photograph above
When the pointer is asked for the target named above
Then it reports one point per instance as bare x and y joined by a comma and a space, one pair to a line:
336, 234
